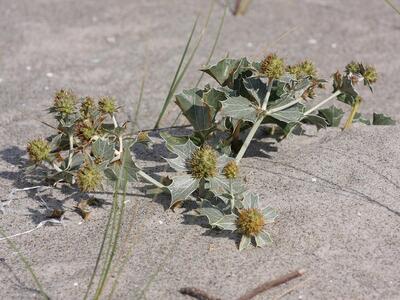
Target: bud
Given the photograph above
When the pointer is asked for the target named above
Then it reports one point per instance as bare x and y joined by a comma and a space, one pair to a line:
38, 150
370, 74
353, 67
107, 105
86, 106
143, 137
250, 221
89, 178
64, 102
303, 69
231, 170
272, 66
203, 163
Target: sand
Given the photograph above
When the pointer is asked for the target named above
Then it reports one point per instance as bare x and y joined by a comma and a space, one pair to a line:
336, 192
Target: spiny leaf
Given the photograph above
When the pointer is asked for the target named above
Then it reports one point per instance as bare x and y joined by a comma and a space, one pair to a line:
381, 119
256, 88
182, 187
332, 115
103, 149
239, 108
263, 239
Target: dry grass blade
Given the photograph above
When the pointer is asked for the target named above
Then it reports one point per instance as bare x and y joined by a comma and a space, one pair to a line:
393, 6
170, 93
26, 265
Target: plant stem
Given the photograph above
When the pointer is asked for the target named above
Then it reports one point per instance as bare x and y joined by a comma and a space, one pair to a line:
71, 148
337, 93
257, 124
150, 179
354, 110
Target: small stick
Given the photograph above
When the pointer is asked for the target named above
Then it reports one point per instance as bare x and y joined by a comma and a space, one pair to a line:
196, 293
270, 284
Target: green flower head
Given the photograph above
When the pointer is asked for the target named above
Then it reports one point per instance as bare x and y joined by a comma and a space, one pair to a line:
250, 221
353, 67
86, 106
65, 102
273, 66
89, 178
203, 162
370, 74
303, 69
86, 130
38, 150
107, 105
231, 170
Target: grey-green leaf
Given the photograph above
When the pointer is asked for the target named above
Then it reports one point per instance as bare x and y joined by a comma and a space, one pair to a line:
381, 119
358, 117
332, 115
245, 242
103, 149
182, 187
239, 108
263, 239
256, 88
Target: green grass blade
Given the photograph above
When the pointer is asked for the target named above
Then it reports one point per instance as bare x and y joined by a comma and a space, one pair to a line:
103, 243
211, 54
393, 6
26, 264
169, 96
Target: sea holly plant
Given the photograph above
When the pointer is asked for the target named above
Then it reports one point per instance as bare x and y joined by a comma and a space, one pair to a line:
250, 94
246, 217
87, 147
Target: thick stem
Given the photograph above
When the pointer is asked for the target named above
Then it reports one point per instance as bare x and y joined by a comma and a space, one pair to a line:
71, 149
335, 94
150, 179
354, 110
257, 124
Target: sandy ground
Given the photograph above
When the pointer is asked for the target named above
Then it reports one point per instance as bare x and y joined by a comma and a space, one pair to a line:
336, 192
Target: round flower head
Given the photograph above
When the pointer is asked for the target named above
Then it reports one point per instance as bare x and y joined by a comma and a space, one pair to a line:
273, 66
303, 69
65, 102
85, 130
107, 105
370, 74
87, 105
231, 170
250, 221
203, 163
89, 178
38, 150
353, 67
143, 137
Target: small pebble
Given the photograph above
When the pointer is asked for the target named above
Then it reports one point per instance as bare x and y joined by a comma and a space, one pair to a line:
249, 44
359, 214
1, 80
75, 284
80, 223
300, 297
94, 19
334, 46
312, 41
46, 88
49, 74
95, 60
314, 179
111, 39
161, 222
28, 68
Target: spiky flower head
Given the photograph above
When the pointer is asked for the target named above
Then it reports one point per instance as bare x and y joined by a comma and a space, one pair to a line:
203, 162
303, 69
370, 74
231, 170
65, 102
89, 178
85, 129
143, 137
38, 150
353, 67
273, 66
250, 221
107, 105
86, 106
